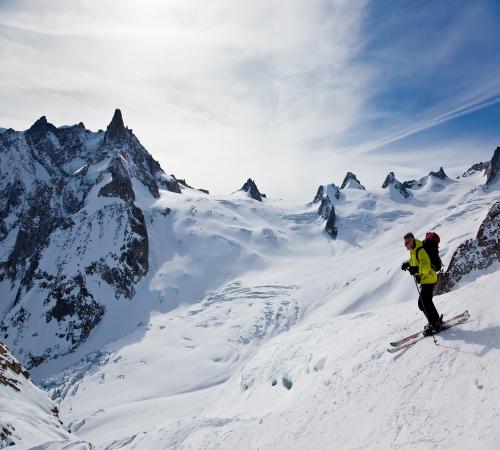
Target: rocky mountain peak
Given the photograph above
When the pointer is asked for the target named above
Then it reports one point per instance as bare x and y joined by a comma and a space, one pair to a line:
478, 167
391, 181
319, 194
326, 209
439, 174
75, 188
493, 169
251, 188
40, 128
116, 131
350, 181
330, 190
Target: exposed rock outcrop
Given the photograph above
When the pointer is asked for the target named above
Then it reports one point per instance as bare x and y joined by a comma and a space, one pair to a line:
392, 183
116, 132
412, 184
493, 170
350, 181
251, 188
120, 185
439, 174
182, 182
474, 254
28, 417
479, 167
9, 366
119, 139
319, 195
326, 209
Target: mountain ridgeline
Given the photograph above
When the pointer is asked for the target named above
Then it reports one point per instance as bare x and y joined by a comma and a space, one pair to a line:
75, 237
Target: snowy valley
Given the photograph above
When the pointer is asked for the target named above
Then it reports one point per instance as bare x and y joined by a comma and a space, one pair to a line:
158, 316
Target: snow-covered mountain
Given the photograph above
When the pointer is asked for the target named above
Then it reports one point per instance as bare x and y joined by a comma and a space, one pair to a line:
158, 316
72, 236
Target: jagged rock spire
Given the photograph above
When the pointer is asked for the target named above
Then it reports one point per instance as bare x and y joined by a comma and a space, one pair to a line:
40, 128
391, 180
439, 174
116, 130
478, 167
319, 194
252, 189
326, 210
493, 169
350, 181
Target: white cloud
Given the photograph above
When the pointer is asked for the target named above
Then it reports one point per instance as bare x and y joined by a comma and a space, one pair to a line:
217, 91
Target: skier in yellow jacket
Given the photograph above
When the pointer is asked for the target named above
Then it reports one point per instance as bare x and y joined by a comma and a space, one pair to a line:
419, 265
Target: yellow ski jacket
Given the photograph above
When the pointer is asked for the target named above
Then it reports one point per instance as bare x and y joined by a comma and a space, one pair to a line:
420, 258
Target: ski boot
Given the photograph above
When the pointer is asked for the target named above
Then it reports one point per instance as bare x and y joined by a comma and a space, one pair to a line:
433, 328
428, 330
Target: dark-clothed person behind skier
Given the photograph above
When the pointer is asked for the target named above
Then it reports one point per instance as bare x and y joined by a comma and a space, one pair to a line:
419, 265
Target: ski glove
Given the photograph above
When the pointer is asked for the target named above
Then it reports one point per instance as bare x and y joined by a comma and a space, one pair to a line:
405, 265
413, 270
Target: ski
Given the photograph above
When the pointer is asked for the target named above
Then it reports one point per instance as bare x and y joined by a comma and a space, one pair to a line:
414, 338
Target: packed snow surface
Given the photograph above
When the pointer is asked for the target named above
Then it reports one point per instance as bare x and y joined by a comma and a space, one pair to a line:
253, 329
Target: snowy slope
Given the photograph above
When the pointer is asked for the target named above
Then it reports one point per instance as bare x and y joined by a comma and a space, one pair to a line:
280, 334
27, 416
329, 383
159, 320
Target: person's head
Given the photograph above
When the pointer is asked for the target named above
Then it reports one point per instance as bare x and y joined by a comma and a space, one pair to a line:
409, 240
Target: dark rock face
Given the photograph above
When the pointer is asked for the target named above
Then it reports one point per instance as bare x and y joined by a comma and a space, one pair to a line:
412, 184
439, 174
119, 139
121, 184
350, 180
183, 182
333, 191
391, 180
71, 304
326, 209
474, 254
39, 221
252, 189
479, 167
67, 208
25, 401
319, 195
493, 169
10, 366
330, 227
116, 132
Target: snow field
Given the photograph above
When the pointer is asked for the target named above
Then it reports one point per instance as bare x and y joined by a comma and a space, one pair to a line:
254, 330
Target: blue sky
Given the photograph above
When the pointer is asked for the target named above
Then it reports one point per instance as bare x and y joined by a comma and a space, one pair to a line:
292, 94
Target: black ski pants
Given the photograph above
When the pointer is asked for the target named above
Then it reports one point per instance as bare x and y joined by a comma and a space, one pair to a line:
426, 305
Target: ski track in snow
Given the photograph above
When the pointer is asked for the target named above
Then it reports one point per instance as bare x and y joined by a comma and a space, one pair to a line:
261, 332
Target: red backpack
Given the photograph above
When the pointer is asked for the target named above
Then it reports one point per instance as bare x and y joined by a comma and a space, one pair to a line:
431, 246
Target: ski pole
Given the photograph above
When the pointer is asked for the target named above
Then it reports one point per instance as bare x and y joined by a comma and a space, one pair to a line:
423, 305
